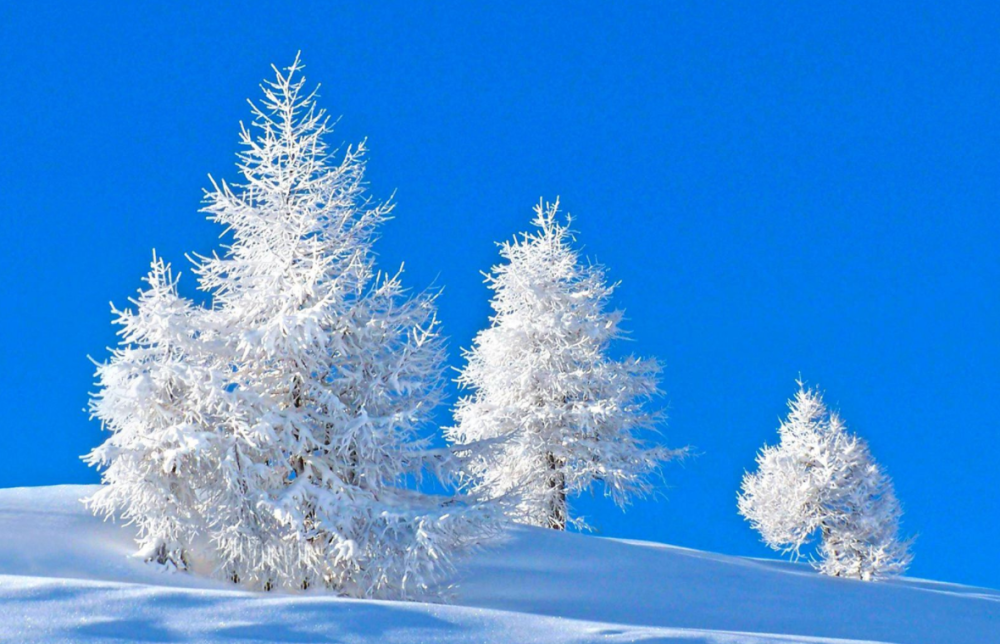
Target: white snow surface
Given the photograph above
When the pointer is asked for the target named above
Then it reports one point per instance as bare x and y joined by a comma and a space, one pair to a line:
66, 576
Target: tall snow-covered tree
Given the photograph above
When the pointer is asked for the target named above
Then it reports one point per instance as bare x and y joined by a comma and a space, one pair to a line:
330, 371
334, 371
550, 413
822, 479
156, 397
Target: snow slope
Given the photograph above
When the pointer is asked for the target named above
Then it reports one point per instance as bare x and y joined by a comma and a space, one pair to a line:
66, 577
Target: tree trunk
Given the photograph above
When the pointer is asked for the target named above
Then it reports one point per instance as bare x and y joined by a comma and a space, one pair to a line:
557, 514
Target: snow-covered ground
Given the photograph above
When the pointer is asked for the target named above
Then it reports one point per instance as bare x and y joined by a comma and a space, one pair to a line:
67, 577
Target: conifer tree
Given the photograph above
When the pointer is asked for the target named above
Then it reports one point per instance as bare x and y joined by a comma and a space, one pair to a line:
156, 397
329, 371
550, 413
822, 479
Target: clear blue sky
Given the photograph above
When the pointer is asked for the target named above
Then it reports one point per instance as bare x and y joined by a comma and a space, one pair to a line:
779, 189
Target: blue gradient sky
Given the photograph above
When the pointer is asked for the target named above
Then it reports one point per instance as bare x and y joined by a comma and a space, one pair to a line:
779, 189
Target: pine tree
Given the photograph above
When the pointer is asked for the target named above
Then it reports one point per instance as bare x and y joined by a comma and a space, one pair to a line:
551, 414
329, 371
156, 398
821, 478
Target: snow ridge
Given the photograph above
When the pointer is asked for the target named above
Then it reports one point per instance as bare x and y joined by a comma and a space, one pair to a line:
66, 576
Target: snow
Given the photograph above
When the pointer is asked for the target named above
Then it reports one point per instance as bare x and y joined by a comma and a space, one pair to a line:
66, 576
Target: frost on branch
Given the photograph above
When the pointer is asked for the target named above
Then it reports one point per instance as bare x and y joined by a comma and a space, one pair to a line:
550, 413
821, 478
327, 370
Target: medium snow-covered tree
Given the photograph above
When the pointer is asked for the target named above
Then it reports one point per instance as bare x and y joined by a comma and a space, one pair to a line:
551, 414
821, 478
156, 397
330, 371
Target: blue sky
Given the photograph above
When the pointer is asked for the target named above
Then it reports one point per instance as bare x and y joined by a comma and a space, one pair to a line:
780, 190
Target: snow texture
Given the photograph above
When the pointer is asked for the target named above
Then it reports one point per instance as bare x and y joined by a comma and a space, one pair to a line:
66, 576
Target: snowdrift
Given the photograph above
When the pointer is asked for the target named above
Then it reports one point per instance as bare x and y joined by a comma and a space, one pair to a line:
66, 576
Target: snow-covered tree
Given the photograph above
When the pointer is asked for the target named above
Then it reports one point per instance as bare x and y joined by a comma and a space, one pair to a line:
551, 414
334, 371
330, 371
821, 478
156, 397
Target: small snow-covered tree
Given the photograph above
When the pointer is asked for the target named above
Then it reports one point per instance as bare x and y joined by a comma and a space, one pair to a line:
551, 414
319, 373
821, 478
155, 398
